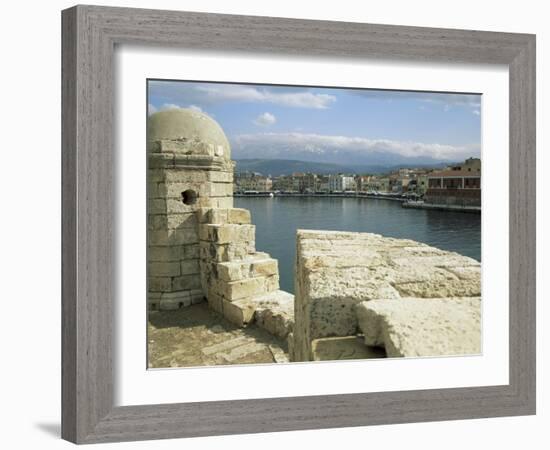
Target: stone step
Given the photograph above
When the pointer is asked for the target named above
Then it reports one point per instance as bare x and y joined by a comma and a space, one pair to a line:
256, 265
274, 312
246, 288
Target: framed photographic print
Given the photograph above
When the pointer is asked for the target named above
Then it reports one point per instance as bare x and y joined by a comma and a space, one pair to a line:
263, 228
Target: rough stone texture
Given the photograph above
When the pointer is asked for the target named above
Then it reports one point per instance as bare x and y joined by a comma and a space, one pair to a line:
422, 326
337, 270
275, 313
338, 348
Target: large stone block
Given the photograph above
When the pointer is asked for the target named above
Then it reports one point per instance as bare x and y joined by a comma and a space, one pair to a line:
423, 327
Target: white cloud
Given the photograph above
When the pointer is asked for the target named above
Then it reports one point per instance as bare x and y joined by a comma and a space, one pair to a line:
265, 119
287, 145
209, 93
476, 112
151, 109
168, 106
300, 99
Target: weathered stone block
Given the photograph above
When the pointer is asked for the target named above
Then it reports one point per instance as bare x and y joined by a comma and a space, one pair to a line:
239, 216
164, 269
174, 300
181, 236
219, 189
156, 222
160, 160
159, 284
265, 267
176, 205
423, 327
167, 253
272, 283
186, 176
186, 282
179, 220
220, 176
228, 233
239, 313
275, 313
236, 290
221, 202
189, 267
340, 348
252, 266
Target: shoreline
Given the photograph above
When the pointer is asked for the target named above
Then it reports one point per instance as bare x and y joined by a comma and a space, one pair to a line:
287, 194
405, 203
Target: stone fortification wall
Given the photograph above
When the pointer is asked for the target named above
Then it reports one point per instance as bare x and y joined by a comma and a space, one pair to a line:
343, 281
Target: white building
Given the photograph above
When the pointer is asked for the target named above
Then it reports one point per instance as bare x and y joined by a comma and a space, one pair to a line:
340, 183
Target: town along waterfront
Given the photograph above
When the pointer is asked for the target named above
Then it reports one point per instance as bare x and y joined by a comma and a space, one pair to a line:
278, 218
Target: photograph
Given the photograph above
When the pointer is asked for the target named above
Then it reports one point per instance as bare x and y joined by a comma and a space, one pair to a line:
311, 223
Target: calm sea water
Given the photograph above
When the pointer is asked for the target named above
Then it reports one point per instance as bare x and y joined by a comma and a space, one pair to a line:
277, 220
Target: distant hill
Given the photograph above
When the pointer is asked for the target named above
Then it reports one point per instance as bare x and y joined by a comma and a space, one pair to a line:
277, 167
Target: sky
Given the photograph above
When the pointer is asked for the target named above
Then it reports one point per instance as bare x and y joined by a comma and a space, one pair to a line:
356, 126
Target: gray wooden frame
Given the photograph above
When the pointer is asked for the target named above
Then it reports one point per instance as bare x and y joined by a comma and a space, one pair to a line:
90, 34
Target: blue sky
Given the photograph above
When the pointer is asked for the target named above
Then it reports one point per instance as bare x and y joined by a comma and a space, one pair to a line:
332, 125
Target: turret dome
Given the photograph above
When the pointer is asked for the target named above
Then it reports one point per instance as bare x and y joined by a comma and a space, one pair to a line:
197, 132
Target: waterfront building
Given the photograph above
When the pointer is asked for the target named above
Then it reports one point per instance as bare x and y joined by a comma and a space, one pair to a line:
460, 186
283, 183
252, 181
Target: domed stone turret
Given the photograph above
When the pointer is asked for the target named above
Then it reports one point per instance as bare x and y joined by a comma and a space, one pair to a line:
189, 168
191, 132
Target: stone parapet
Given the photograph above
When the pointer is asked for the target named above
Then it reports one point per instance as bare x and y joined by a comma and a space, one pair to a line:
335, 271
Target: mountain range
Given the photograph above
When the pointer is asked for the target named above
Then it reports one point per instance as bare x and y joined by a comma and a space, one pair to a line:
277, 167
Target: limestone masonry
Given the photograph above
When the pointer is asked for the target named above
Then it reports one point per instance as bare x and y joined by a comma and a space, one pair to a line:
404, 296
358, 295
